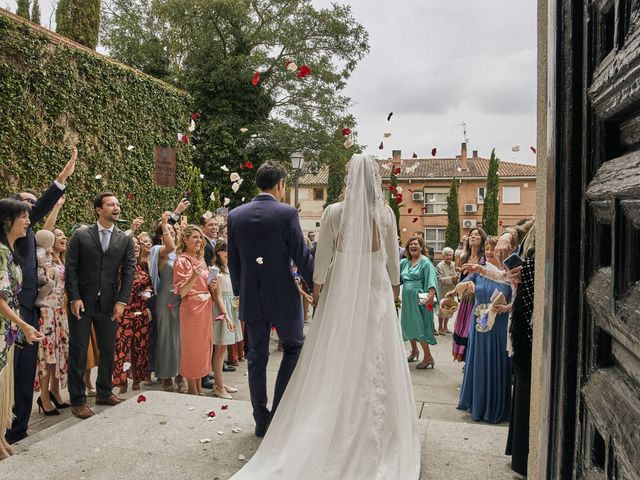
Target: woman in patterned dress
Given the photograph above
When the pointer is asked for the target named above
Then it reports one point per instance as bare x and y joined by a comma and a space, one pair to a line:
132, 337
14, 222
53, 352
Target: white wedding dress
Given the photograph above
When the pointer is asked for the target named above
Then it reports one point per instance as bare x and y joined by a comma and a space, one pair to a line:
348, 412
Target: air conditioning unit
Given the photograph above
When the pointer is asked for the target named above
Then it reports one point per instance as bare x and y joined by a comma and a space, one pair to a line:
470, 208
469, 223
417, 196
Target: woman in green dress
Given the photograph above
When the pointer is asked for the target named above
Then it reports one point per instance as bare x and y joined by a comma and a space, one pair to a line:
418, 275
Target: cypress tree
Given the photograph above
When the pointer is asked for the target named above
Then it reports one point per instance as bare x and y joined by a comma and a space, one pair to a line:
395, 198
491, 204
452, 234
79, 20
35, 12
337, 174
23, 9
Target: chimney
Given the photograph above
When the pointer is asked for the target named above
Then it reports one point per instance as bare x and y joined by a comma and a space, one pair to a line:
475, 154
463, 158
396, 155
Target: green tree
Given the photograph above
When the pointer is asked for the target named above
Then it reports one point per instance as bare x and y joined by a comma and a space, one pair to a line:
215, 47
79, 20
491, 205
452, 234
35, 12
23, 9
196, 209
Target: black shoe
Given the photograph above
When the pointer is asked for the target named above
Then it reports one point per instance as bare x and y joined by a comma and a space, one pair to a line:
207, 383
211, 375
57, 404
261, 429
15, 438
48, 413
228, 368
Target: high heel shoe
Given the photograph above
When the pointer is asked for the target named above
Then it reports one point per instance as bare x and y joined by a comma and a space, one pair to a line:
424, 365
59, 404
413, 356
49, 413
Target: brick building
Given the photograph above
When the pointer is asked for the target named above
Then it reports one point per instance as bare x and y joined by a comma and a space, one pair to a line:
425, 186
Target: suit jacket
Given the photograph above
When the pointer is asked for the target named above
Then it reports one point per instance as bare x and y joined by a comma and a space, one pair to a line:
270, 230
89, 271
209, 253
26, 246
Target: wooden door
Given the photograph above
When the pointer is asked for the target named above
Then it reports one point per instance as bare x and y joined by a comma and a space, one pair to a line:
594, 418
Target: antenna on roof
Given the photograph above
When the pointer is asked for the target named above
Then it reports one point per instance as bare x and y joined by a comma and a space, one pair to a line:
464, 131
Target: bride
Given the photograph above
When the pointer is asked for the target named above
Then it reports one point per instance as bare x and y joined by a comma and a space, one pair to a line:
348, 411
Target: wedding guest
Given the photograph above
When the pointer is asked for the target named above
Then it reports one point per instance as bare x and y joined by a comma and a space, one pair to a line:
190, 276
145, 248
418, 276
486, 386
14, 224
222, 232
162, 258
26, 358
53, 351
226, 325
132, 336
457, 255
210, 230
447, 278
96, 258
473, 254
521, 332
235, 351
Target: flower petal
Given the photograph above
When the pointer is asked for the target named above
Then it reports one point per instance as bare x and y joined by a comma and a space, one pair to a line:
141, 398
226, 201
255, 79
235, 187
224, 407
346, 131
387, 135
224, 168
249, 165
192, 125
244, 130
381, 146
434, 151
234, 177
304, 71
130, 148
389, 116
348, 143
259, 260
195, 116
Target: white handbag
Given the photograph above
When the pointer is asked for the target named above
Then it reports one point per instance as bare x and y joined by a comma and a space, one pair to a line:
422, 298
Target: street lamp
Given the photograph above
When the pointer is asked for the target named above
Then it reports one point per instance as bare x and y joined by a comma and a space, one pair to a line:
297, 162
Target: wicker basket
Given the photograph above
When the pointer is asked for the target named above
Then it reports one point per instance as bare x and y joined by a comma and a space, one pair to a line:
448, 306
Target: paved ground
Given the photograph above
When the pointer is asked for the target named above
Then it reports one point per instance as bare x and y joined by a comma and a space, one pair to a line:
161, 437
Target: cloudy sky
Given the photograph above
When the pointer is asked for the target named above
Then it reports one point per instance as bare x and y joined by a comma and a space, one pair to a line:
436, 64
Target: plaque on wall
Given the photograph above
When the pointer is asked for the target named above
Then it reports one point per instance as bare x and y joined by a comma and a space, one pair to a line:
164, 166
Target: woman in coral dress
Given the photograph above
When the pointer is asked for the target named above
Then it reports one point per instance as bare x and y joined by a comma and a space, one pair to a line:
190, 276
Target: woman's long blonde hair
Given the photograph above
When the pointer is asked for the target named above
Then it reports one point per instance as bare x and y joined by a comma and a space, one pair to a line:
186, 232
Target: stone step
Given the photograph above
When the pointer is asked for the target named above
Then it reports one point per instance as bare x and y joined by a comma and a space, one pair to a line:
162, 438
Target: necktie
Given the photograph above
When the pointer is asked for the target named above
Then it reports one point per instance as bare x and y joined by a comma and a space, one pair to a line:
105, 240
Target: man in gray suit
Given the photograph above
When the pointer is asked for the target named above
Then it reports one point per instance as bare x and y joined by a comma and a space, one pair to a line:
100, 266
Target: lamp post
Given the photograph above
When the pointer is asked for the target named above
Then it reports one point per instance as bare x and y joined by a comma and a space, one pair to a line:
297, 162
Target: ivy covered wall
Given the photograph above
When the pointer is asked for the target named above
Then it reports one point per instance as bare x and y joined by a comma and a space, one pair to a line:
55, 94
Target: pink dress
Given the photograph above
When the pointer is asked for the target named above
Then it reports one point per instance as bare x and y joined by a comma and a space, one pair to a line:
196, 343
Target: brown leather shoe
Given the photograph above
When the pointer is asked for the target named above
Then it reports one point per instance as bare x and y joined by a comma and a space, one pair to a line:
82, 412
112, 400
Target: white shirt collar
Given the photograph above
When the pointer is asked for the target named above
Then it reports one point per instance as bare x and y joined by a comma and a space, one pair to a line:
101, 228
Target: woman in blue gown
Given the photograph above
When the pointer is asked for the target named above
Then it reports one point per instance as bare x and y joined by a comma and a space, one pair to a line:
486, 387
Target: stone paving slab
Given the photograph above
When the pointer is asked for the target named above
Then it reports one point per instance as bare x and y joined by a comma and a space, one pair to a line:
161, 439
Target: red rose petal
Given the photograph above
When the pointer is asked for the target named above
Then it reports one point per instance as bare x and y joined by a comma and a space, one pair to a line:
534, 150
249, 165
211, 413
409, 210
415, 155
430, 307
142, 398
397, 170
398, 198
170, 306
423, 209
414, 220
346, 131
304, 71
255, 79
389, 116
224, 407
381, 146
434, 150
184, 139
392, 188
195, 116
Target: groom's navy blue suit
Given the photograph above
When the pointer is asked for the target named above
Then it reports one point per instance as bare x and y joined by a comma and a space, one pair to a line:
264, 236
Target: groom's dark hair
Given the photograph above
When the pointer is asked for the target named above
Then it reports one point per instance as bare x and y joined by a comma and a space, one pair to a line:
269, 174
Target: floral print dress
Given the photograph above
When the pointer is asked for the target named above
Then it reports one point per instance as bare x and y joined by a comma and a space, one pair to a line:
54, 324
10, 284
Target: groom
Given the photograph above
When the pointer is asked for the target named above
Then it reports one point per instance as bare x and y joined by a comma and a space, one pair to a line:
263, 237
